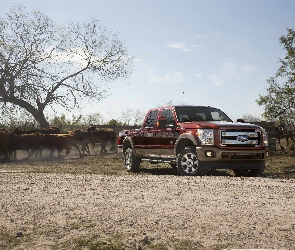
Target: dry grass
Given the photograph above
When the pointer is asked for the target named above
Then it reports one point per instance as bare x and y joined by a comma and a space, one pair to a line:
278, 165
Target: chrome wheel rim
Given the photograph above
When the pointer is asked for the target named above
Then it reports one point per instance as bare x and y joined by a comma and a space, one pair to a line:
189, 163
128, 159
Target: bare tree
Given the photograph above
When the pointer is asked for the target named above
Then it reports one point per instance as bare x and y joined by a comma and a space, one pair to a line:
251, 118
132, 116
13, 117
43, 64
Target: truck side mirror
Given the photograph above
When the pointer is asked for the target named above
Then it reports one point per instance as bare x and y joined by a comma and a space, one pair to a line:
171, 125
162, 122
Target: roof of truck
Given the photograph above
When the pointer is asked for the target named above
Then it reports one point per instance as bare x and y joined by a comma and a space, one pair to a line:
183, 106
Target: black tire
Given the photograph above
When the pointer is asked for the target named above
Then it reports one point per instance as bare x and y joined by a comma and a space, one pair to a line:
173, 166
248, 172
131, 161
188, 162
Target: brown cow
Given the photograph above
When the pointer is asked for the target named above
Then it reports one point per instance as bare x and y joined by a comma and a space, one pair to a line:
98, 136
111, 136
104, 136
91, 137
84, 138
51, 130
58, 142
108, 135
4, 143
26, 142
91, 128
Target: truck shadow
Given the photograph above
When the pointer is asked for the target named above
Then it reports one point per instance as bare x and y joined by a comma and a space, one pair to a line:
171, 171
158, 171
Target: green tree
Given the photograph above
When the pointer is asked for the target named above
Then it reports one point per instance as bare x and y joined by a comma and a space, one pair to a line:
114, 122
92, 119
65, 123
45, 65
279, 102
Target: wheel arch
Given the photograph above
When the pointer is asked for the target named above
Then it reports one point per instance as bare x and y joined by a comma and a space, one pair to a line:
127, 143
185, 140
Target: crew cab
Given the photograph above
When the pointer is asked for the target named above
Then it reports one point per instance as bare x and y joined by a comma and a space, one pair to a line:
194, 139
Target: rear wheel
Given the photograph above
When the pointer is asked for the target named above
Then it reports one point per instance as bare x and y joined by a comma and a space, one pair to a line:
188, 162
131, 161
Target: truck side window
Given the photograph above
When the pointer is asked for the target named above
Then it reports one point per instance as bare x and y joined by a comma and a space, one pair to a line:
201, 117
215, 116
151, 119
169, 116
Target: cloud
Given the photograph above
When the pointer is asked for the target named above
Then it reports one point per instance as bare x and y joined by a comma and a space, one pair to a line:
178, 45
228, 71
249, 68
137, 60
197, 46
171, 77
216, 80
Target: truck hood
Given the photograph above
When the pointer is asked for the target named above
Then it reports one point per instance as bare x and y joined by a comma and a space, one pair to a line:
216, 124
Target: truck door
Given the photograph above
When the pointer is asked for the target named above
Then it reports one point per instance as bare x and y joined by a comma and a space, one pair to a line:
165, 137
147, 135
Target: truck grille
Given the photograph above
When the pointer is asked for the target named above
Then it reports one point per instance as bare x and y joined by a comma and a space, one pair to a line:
240, 138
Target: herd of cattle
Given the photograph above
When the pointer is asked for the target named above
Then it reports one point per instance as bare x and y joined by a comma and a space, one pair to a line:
35, 141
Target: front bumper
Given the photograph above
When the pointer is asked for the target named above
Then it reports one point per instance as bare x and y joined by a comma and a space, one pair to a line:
213, 157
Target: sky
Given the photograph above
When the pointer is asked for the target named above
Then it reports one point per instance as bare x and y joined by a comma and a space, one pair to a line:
216, 53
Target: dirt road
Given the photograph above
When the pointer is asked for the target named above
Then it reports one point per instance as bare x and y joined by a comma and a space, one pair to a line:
46, 210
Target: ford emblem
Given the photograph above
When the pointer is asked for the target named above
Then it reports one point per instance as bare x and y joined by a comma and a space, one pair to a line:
242, 138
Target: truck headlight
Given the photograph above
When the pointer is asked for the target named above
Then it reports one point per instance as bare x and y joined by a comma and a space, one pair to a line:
206, 136
265, 138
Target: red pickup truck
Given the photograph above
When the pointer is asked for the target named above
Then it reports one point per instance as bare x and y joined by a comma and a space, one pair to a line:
194, 139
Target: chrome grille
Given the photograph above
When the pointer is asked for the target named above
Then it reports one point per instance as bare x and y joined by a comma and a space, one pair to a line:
240, 138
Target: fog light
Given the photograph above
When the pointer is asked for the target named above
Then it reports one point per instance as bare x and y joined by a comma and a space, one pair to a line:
209, 153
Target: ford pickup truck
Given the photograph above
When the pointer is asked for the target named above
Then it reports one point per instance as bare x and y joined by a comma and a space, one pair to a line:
194, 139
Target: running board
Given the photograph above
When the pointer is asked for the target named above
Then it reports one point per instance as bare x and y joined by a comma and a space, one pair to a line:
159, 160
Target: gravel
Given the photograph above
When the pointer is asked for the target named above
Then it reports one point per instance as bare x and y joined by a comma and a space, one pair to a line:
51, 209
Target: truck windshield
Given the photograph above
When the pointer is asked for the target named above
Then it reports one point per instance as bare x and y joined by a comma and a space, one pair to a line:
196, 113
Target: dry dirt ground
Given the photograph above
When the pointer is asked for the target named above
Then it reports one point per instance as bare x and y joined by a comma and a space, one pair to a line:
144, 211
80, 211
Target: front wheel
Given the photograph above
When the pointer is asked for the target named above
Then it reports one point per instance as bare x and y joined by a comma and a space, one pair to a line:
131, 161
173, 166
188, 162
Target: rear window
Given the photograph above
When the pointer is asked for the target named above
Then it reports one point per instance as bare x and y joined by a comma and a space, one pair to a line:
151, 119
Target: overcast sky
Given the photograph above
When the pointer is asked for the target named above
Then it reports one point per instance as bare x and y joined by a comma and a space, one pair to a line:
200, 52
